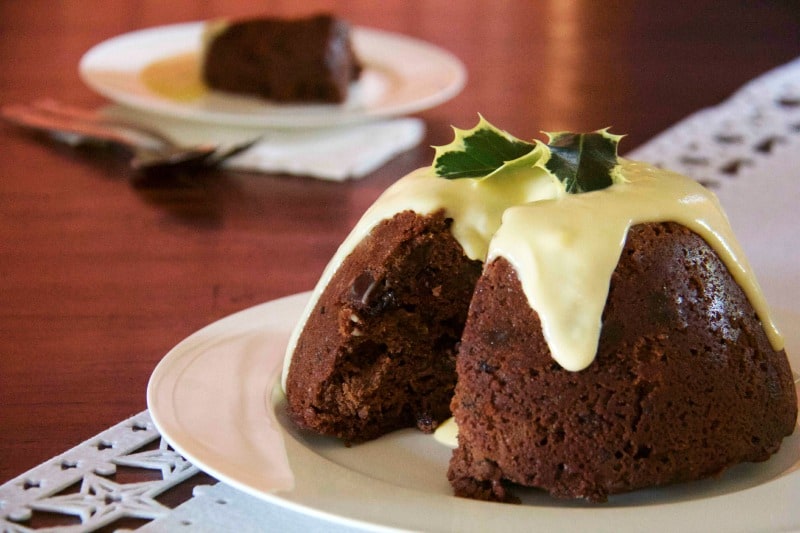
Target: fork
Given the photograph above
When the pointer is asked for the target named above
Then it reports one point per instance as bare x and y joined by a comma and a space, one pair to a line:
150, 149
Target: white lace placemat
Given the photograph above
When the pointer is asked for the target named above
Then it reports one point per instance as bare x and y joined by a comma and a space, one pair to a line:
747, 150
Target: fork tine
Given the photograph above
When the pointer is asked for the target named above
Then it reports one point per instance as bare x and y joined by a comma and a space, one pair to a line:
224, 154
183, 158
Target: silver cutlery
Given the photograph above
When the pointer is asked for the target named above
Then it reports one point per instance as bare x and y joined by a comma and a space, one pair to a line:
149, 148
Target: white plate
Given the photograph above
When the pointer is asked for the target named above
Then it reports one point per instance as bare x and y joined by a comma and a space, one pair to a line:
401, 76
215, 397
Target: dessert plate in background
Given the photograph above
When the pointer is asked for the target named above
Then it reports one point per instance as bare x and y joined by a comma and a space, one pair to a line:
401, 75
216, 398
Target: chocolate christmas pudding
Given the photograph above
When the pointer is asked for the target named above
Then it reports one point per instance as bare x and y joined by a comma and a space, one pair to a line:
590, 322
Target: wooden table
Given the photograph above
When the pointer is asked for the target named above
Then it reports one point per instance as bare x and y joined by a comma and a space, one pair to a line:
101, 274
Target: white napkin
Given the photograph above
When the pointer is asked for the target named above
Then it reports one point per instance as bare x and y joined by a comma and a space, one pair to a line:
333, 153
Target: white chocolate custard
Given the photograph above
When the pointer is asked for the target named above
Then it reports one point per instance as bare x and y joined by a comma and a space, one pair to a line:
564, 247
565, 250
176, 77
180, 77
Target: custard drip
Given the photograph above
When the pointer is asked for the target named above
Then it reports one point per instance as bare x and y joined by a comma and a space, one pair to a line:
564, 247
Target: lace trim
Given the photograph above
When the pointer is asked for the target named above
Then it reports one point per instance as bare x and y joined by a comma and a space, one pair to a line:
81, 482
721, 143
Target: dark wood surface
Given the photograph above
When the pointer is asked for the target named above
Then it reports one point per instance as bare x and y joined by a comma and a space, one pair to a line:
102, 273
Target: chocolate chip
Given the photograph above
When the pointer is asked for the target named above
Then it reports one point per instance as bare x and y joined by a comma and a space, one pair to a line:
483, 366
426, 423
362, 288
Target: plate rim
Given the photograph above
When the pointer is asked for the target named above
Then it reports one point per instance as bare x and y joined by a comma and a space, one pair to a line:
657, 513
283, 116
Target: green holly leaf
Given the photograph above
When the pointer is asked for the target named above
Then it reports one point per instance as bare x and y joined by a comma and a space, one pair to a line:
478, 152
583, 162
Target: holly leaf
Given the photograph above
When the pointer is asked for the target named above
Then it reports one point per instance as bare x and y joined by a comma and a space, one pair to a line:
478, 152
583, 162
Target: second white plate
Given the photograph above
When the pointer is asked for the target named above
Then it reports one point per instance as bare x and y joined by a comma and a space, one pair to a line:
216, 398
402, 75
